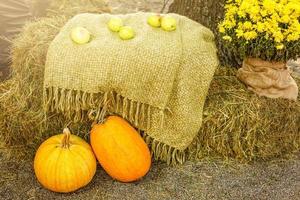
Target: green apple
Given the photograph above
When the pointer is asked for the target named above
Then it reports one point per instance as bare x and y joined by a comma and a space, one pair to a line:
168, 23
154, 21
80, 35
126, 33
115, 24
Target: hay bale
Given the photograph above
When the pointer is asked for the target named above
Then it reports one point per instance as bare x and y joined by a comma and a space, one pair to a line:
237, 123
21, 118
20, 96
242, 125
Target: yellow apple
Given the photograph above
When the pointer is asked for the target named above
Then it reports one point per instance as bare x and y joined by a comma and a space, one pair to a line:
168, 23
126, 33
115, 24
154, 21
80, 35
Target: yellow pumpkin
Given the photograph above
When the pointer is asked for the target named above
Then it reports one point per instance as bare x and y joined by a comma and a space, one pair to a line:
120, 150
64, 163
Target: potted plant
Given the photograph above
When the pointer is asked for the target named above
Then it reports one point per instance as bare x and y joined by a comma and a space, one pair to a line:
265, 34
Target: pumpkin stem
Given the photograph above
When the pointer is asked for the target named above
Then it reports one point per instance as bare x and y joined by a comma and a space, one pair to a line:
66, 138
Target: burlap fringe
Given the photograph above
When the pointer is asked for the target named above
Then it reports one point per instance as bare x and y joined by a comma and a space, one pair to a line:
164, 152
77, 105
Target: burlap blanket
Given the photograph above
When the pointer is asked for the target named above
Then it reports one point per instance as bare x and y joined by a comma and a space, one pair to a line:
158, 81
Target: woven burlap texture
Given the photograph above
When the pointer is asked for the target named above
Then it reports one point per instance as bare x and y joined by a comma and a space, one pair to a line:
158, 81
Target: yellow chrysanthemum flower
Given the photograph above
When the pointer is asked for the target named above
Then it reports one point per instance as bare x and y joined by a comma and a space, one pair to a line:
227, 37
250, 35
239, 33
269, 5
221, 29
293, 37
260, 27
278, 36
247, 25
280, 46
285, 19
275, 22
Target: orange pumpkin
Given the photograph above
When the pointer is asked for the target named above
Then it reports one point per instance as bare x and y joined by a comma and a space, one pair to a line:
64, 163
120, 150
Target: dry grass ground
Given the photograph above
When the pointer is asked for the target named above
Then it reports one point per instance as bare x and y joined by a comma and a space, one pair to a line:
277, 180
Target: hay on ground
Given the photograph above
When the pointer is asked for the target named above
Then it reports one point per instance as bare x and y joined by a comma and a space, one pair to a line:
237, 123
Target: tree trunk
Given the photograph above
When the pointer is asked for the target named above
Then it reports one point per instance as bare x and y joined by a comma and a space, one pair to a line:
209, 13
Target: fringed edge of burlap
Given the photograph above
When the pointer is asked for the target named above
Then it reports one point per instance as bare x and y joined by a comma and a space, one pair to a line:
164, 152
77, 105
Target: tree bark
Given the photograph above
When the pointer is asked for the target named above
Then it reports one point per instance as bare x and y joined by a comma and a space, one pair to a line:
209, 13
206, 12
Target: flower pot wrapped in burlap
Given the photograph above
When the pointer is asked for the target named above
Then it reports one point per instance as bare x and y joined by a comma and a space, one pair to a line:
158, 81
270, 79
